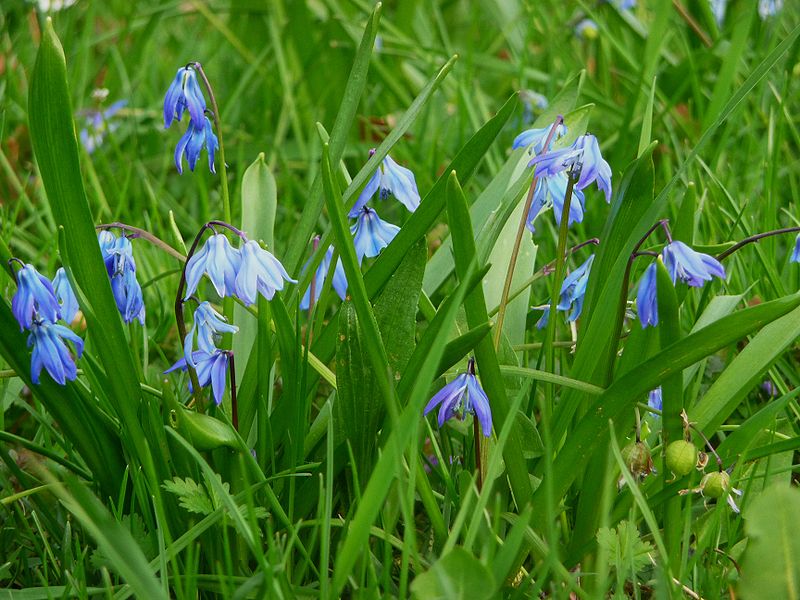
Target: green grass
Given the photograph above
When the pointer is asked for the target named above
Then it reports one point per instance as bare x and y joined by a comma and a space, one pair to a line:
117, 485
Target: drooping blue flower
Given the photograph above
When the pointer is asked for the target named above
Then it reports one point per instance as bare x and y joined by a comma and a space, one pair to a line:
796, 252
655, 399
119, 256
106, 240
587, 29
339, 279
390, 179
128, 296
544, 319
549, 193
193, 142
211, 367
371, 234
647, 298
50, 351
207, 326
769, 8
217, 259
259, 271
691, 267
184, 93
573, 290
582, 158
534, 139
65, 296
35, 298
98, 123
461, 396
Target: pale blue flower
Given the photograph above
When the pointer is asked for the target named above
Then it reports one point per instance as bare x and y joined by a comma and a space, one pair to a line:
98, 123
718, 8
573, 290
625, 4
184, 93
532, 101
106, 240
371, 234
339, 279
693, 268
390, 179
582, 158
549, 193
260, 272
217, 259
51, 353
121, 268
461, 396
35, 298
193, 142
211, 367
587, 29
534, 139
207, 326
65, 296
769, 8
655, 398
796, 252
544, 319
647, 298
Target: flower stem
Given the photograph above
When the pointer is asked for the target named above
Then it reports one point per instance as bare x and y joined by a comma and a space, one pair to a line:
512, 263
756, 238
226, 203
145, 235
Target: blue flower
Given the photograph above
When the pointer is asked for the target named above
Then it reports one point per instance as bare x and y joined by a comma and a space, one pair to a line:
534, 139
582, 157
587, 29
769, 8
718, 8
339, 279
192, 143
654, 398
573, 290
549, 193
647, 298
217, 259
463, 395
259, 271
392, 180
532, 100
118, 256
128, 296
544, 319
98, 124
184, 92
796, 252
625, 4
106, 240
211, 367
371, 234
693, 268
35, 298
208, 324
65, 296
50, 351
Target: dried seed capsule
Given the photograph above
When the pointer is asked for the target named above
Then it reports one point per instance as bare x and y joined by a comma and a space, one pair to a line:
637, 458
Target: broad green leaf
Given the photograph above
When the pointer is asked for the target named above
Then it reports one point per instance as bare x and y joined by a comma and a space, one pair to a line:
771, 562
456, 576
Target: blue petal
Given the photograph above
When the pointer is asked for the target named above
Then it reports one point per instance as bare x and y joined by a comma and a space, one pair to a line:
647, 298
219, 372
455, 387
369, 190
401, 183
796, 252
479, 404
174, 93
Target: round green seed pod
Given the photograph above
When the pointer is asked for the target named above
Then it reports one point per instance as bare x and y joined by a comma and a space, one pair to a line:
715, 484
681, 457
637, 458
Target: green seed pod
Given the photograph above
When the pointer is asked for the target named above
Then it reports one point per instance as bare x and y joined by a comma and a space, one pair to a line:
681, 457
637, 458
714, 485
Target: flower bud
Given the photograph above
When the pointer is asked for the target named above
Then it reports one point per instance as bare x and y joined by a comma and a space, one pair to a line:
637, 458
714, 485
681, 457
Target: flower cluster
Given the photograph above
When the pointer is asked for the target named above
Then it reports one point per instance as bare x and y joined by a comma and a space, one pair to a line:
184, 94
118, 256
461, 396
243, 272
37, 305
684, 264
371, 234
98, 124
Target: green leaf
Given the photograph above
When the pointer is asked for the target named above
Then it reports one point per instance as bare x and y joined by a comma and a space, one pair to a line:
456, 576
56, 150
624, 548
191, 495
771, 562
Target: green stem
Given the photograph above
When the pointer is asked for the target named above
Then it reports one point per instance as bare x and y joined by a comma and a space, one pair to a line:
512, 263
